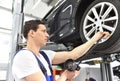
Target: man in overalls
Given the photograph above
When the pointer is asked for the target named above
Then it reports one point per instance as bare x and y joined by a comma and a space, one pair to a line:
33, 64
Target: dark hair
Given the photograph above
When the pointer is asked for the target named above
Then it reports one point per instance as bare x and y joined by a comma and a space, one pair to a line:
31, 25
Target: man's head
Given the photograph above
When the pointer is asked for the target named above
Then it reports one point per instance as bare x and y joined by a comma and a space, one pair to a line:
35, 32
31, 25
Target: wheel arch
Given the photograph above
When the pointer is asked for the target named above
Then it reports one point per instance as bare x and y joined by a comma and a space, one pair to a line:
82, 6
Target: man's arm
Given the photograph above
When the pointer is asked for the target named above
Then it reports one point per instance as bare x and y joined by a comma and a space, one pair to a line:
38, 76
80, 50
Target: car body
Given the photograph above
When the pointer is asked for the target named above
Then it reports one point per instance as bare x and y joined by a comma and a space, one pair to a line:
73, 22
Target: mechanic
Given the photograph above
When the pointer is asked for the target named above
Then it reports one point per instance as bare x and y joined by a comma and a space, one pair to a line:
33, 64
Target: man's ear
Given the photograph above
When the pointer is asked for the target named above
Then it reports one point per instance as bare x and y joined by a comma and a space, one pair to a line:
31, 33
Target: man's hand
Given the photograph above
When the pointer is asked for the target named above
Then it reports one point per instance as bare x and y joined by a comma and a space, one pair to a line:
100, 35
105, 35
71, 74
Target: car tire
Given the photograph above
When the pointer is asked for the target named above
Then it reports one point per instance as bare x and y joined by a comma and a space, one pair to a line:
97, 23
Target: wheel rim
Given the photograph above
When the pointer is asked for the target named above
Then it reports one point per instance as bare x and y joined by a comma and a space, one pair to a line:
101, 17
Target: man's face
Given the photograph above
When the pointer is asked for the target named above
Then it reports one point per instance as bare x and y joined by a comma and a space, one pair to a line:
41, 35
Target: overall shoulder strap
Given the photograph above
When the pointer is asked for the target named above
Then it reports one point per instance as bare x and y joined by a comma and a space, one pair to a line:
45, 56
41, 65
47, 60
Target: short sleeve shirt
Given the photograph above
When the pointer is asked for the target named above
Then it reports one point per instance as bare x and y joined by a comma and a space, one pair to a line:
25, 64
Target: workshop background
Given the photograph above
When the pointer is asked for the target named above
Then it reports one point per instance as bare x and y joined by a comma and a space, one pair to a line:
37, 9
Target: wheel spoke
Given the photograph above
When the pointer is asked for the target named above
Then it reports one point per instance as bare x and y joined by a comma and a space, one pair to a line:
90, 32
87, 26
107, 12
111, 18
101, 10
95, 13
101, 29
90, 18
108, 28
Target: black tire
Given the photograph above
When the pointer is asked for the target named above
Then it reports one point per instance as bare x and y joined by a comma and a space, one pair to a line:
104, 46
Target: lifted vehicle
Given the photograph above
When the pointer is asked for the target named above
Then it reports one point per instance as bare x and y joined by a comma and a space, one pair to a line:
73, 22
